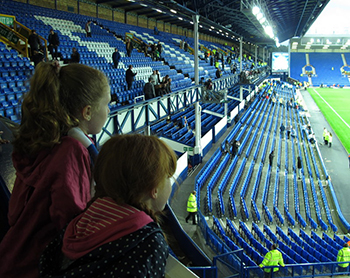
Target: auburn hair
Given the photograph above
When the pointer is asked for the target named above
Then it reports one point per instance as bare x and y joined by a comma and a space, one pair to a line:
129, 166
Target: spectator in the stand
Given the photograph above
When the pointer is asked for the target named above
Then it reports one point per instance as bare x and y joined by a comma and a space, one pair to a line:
116, 58
271, 156
281, 101
54, 42
299, 165
88, 28
308, 129
53, 165
311, 138
208, 84
160, 49
129, 47
293, 133
218, 73
159, 78
153, 51
206, 56
288, 129
184, 122
282, 129
233, 68
182, 44
186, 46
144, 48
166, 84
38, 57
235, 146
227, 147
118, 235
211, 60
34, 42
148, 89
129, 76
154, 77
75, 56
156, 32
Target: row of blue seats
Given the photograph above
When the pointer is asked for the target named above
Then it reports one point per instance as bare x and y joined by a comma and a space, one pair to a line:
214, 179
222, 186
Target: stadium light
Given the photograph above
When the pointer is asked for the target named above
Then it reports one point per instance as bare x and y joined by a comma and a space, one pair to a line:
258, 13
173, 11
262, 20
259, 16
255, 10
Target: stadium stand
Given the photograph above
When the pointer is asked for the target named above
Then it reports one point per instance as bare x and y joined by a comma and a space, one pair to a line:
280, 203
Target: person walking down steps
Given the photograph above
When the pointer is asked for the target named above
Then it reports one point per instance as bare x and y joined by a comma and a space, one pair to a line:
192, 207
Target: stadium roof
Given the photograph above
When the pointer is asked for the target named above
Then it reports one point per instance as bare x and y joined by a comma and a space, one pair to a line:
288, 18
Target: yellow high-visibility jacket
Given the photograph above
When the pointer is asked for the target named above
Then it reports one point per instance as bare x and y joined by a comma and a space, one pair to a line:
272, 258
192, 203
344, 256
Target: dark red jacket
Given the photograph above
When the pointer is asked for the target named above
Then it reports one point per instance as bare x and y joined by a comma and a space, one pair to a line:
48, 192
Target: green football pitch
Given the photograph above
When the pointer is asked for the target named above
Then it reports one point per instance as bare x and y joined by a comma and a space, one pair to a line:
335, 106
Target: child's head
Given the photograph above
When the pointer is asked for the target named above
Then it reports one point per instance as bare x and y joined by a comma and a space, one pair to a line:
59, 99
135, 169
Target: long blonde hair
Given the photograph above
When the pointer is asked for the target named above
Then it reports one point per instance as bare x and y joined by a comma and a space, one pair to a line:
129, 166
54, 103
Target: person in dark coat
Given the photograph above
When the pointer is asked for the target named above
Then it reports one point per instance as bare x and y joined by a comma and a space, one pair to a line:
218, 73
37, 57
186, 46
148, 89
116, 58
34, 42
282, 129
129, 47
160, 49
129, 76
75, 56
54, 42
271, 156
299, 167
88, 28
235, 147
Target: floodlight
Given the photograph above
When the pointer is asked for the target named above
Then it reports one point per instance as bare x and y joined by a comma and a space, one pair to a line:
262, 20
255, 10
259, 16
173, 11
